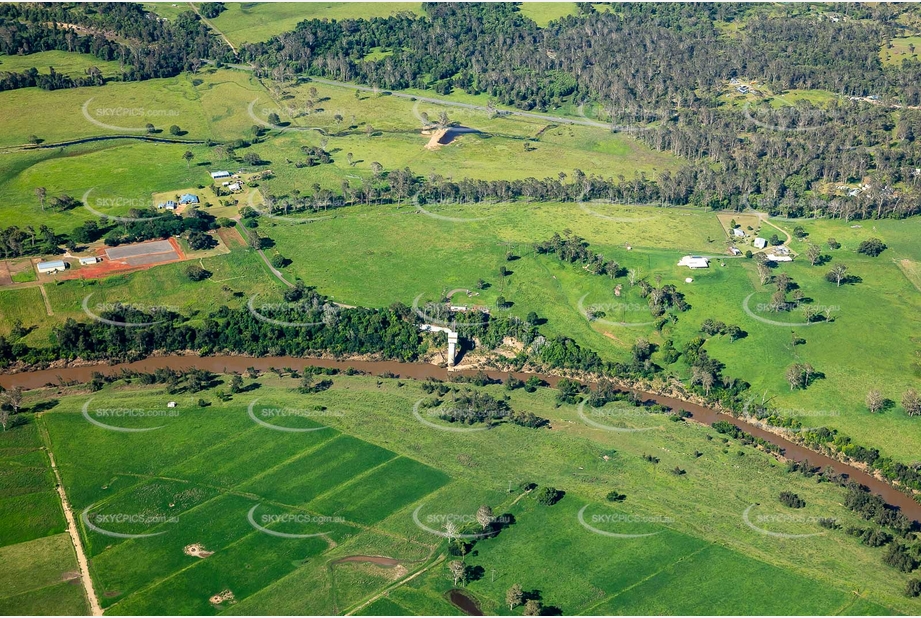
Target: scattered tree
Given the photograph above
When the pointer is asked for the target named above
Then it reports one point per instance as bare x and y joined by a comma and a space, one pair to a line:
911, 401
875, 401
515, 595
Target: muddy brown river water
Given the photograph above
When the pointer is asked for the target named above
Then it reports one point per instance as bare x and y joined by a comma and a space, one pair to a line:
422, 371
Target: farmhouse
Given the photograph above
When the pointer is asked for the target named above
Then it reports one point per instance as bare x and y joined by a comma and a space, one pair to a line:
188, 198
234, 187
761, 243
735, 251
88, 260
738, 232
220, 174
693, 261
168, 205
55, 266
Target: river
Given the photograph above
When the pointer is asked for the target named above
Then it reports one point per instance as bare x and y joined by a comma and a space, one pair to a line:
422, 371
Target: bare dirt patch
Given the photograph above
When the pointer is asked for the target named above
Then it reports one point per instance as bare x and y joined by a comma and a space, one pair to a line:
222, 597
435, 141
197, 550
231, 237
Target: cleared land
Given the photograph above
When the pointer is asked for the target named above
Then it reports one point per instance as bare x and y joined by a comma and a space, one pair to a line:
64, 63
354, 474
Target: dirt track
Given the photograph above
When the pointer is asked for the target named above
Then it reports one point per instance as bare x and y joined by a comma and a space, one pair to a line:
82, 562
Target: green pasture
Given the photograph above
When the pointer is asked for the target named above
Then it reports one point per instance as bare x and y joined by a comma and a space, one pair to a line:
377, 465
252, 22
72, 64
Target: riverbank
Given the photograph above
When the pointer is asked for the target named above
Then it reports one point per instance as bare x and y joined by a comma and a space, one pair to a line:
422, 371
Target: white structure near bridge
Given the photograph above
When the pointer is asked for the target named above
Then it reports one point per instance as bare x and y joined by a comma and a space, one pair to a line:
452, 339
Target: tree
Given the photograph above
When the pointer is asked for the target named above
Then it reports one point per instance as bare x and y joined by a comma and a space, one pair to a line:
484, 516
798, 375
814, 253
451, 530
197, 273
833, 244
501, 302
837, 274
913, 589
872, 247
548, 496
875, 401
40, 193
350, 158
514, 596
188, 156
533, 607
274, 119
236, 383
376, 169
150, 128
13, 398
911, 401
4, 417
175, 130
458, 571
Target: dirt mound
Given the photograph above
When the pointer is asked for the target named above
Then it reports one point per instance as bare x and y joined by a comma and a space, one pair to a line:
220, 597
197, 550
435, 141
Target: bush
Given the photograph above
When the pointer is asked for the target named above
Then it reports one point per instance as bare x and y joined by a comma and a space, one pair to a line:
872, 247
280, 261
914, 588
615, 496
548, 496
791, 500
197, 273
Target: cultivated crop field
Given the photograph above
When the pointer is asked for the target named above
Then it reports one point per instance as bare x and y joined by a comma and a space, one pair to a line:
370, 473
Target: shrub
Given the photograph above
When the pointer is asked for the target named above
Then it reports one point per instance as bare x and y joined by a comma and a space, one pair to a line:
791, 500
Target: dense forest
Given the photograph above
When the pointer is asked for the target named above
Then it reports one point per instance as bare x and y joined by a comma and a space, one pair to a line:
150, 47
663, 68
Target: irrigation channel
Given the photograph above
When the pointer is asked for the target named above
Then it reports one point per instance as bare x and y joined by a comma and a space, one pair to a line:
423, 371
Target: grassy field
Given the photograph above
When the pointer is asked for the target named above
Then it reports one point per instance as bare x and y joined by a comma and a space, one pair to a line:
390, 265
37, 561
903, 48
66, 63
252, 22
210, 104
211, 465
